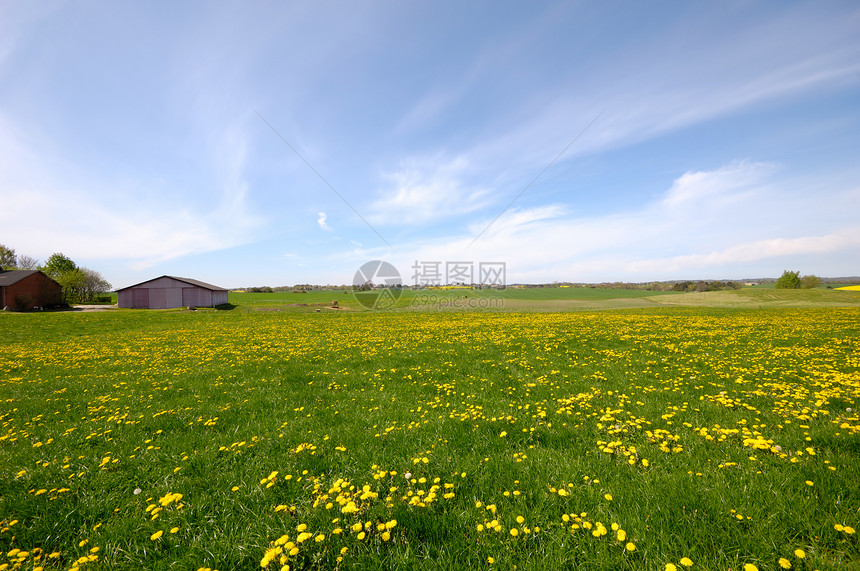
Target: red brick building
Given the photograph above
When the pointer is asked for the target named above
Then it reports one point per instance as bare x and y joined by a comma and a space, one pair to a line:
26, 289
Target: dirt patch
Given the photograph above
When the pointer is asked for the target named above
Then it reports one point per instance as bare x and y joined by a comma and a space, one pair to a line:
93, 307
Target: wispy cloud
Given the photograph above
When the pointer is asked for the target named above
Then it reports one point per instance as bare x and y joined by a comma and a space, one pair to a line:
725, 185
707, 223
98, 219
845, 239
321, 221
421, 193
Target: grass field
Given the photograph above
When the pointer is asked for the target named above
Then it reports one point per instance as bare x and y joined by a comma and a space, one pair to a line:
549, 299
721, 436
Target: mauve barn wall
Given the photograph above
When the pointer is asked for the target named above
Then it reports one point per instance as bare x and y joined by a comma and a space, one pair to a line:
167, 293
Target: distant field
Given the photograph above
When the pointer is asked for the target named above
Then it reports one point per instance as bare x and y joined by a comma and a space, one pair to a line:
552, 299
607, 440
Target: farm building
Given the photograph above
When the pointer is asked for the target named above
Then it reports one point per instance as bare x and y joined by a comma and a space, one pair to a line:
169, 291
26, 289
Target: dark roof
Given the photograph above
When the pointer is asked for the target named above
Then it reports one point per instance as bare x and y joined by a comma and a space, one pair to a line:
189, 281
11, 277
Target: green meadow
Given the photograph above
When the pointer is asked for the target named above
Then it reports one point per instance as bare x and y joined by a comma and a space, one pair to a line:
710, 431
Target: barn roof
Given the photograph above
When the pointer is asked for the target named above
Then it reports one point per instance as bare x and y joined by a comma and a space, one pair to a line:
189, 281
11, 277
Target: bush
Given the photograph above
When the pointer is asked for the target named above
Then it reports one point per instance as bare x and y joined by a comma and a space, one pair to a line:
24, 301
788, 280
810, 282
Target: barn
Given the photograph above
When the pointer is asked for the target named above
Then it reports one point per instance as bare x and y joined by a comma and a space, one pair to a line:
167, 292
26, 289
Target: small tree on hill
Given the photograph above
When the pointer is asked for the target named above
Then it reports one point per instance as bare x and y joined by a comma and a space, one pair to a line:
788, 280
810, 282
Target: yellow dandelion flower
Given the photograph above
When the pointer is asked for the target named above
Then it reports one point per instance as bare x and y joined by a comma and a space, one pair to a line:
784, 563
490, 560
671, 567
608, 497
750, 567
174, 529
514, 532
630, 547
686, 562
156, 535
800, 554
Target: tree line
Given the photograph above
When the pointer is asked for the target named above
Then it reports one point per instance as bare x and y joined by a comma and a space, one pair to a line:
793, 280
79, 284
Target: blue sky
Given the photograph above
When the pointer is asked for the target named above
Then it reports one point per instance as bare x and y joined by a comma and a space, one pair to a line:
715, 139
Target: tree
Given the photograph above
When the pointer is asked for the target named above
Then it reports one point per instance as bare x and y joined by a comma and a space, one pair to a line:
810, 282
73, 283
27, 263
57, 265
7, 257
788, 280
93, 285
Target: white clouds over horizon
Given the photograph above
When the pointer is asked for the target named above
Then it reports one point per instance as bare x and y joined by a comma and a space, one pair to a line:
725, 144
715, 224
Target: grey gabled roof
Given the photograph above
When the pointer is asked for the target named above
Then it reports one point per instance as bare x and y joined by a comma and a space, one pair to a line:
10, 277
189, 281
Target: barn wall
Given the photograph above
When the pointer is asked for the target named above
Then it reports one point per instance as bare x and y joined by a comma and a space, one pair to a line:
136, 298
35, 289
124, 298
165, 297
167, 293
196, 297
173, 296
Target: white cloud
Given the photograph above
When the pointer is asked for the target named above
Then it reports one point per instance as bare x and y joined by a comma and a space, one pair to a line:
727, 184
50, 206
421, 193
657, 88
845, 239
322, 222
737, 219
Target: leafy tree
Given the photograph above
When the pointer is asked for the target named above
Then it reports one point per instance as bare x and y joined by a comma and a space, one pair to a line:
57, 265
73, 283
788, 280
7, 257
810, 282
